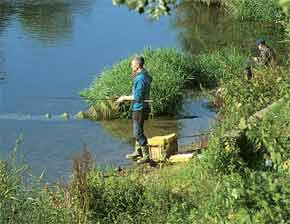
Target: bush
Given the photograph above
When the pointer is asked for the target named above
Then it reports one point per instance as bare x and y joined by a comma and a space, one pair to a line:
271, 136
261, 140
169, 69
131, 199
213, 67
243, 98
115, 199
254, 197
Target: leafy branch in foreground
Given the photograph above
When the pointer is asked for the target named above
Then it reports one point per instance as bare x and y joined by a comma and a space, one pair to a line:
155, 8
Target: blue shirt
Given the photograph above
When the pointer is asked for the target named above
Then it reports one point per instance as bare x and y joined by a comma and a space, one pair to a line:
141, 90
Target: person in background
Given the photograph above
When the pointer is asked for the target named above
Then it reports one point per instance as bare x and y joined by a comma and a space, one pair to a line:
265, 57
140, 92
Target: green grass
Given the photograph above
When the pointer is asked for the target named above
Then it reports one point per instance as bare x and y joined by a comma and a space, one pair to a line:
211, 68
30, 202
259, 10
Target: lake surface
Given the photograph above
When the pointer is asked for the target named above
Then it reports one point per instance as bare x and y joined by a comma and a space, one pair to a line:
51, 50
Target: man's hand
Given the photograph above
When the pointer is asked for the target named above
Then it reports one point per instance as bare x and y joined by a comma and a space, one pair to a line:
120, 99
255, 59
124, 98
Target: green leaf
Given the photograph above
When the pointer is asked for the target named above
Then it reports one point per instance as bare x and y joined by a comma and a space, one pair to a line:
243, 124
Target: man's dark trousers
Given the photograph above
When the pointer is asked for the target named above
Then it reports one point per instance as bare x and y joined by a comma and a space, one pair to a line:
139, 117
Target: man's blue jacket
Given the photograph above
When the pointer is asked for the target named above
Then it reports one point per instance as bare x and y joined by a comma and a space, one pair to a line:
141, 90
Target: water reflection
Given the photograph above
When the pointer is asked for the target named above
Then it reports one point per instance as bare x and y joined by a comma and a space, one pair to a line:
6, 10
3, 76
192, 106
3, 87
207, 28
122, 129
47, 21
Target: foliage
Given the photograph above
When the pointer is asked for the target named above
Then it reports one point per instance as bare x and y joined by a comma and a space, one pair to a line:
255, 197
245, 97
251, 158
216, 66
261, 10
19, 204
239, 98
156, 198
271, 136
154, 8
169, 70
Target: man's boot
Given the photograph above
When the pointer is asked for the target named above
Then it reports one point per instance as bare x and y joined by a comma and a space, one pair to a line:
146, 157
136, 154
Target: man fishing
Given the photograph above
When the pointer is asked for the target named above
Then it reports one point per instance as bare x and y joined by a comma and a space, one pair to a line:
140, 92
265, 57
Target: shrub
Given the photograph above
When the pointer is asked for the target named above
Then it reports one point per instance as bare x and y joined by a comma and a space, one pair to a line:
213, 67
164, 197
271, 136
262, 140
254, 197
243, 98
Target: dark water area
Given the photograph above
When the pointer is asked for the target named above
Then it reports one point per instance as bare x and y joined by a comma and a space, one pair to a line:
51, 50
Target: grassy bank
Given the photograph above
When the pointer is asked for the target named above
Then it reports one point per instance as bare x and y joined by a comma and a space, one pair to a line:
169, 69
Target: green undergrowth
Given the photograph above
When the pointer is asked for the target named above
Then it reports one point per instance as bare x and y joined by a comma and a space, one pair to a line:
238, 99
241, 97
27, 202
272, 136
169, 69
259, 10
213, 67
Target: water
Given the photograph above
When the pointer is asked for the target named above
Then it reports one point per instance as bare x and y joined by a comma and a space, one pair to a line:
51, 50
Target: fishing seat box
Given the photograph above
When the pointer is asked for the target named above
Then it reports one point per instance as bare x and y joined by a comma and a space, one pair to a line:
162, 147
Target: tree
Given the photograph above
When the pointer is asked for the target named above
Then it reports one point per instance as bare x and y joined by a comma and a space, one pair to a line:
154, 8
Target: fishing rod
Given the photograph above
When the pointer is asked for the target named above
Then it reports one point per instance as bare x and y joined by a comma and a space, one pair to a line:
179, 117
115, 98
